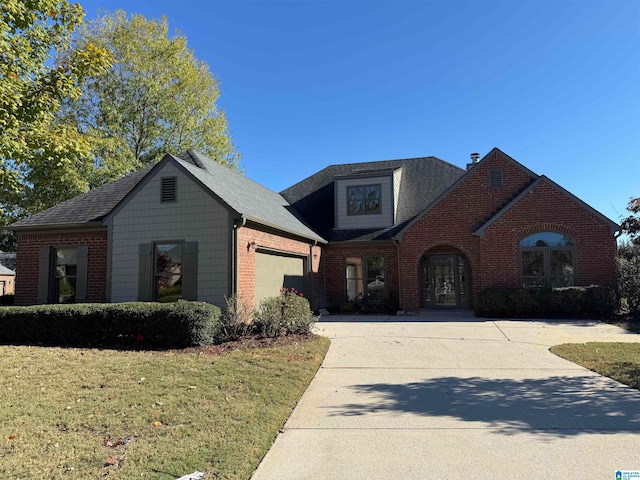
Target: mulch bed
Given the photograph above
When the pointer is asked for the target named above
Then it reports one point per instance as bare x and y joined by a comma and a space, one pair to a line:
248, 342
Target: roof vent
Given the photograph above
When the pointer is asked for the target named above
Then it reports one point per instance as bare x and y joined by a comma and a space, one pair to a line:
168, 189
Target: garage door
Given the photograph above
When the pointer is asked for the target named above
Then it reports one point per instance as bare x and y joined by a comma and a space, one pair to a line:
274, 272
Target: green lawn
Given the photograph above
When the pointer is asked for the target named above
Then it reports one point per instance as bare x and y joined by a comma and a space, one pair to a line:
85, 413
620, 361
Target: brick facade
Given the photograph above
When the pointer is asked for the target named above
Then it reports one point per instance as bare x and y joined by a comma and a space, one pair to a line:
334, 261
251, 239
27, 262
448, 226
494, 261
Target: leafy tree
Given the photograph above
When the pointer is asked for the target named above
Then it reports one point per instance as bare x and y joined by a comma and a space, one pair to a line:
629, 275
631, 224
41, 160
156, 98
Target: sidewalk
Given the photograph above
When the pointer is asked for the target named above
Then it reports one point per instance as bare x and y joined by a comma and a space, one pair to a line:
445, 395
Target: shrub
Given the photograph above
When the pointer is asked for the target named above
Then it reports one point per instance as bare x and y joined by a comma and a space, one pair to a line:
236, 320
7, 299
136, 324
568, 302
287, 314
629, 275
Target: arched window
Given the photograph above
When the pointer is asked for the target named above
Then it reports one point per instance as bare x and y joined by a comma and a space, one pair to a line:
548, 260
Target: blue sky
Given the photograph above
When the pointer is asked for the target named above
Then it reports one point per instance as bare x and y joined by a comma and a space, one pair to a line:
305, 84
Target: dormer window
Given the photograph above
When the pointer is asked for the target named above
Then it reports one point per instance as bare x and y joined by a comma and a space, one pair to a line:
364, 199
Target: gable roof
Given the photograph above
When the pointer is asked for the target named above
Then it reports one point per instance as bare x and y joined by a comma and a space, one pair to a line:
8, 259
542, 178
470, 171
248, 199
88, 208
6, 271
422, 180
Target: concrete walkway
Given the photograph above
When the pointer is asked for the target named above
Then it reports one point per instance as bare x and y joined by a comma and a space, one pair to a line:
448, 396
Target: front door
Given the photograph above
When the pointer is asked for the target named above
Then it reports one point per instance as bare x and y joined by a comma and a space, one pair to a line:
445, 281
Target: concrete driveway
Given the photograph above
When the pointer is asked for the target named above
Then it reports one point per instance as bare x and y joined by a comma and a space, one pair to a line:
448, 396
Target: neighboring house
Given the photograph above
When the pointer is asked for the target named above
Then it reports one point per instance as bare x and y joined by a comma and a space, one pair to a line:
8, 259
7, 280
421, 230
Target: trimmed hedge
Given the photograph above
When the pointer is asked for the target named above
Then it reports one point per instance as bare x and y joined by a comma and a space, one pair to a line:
137, 324
569, 302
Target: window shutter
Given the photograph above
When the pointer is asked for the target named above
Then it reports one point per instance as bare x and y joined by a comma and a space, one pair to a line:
169, 186
145, 272
81, 274
190, 271
44, 273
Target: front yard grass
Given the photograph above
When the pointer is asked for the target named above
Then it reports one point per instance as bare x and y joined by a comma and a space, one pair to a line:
88, 413
620, 361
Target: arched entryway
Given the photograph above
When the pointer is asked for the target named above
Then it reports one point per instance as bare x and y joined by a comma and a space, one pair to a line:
445, 280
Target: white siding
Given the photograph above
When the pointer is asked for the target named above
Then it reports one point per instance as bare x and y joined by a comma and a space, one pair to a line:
195, 216
383, 219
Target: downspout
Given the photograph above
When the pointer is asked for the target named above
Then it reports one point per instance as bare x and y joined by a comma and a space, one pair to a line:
397, 244
234, 254
311, 282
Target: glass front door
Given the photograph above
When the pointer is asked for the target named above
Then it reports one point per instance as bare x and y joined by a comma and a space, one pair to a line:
445, 281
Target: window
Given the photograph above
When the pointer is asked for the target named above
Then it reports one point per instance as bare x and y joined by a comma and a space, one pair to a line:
168, 272
363, 199
365, 279
548, 260
65, 275
169, 186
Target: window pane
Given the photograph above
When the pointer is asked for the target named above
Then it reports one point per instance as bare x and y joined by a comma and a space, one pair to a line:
169, 258
372, 199
66, 256
562, 274
546, 239
169, 288
66, 270
562, 263
533, 263
355, 281
355, 200
66, 288
375, 278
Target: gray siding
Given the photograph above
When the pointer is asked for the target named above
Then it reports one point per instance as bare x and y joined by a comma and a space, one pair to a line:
194, 216
383, 219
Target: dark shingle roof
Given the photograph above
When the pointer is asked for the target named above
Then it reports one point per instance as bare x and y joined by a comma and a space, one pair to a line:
422, 181
6, 271
92, 206
248, 198
8, 259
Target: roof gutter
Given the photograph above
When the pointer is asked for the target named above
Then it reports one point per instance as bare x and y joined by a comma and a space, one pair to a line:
53, 228
247, 218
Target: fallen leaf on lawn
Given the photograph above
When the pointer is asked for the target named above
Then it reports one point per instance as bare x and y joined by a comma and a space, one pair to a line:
110, 461
157, 423
154, 414
10, 437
